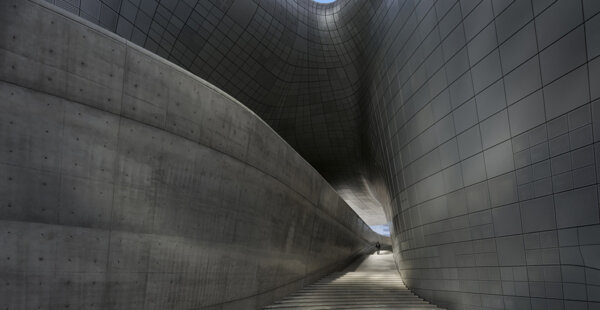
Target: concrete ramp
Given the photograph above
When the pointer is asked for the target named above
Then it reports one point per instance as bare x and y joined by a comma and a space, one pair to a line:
370, 283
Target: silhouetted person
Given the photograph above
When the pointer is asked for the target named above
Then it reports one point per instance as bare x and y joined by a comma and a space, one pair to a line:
378, 247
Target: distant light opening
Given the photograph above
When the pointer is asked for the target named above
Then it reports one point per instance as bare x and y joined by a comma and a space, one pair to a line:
381, 229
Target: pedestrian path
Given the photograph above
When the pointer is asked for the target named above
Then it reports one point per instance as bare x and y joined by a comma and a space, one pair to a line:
372, 283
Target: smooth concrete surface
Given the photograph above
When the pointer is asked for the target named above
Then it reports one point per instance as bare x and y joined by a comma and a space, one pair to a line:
371, 282
298, 64
129, 183
474, 123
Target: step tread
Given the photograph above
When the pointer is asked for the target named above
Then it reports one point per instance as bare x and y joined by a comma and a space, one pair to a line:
364, 289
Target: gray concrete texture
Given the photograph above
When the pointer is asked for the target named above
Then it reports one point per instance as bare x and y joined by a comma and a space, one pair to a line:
129, 183
482, 116
296, 63
371, 282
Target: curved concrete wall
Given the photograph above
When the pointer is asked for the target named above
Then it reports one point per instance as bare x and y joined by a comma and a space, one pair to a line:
295, 63
485, 115
128, 183
298, 64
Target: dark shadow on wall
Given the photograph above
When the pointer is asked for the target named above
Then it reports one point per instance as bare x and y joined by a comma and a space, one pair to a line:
130, 183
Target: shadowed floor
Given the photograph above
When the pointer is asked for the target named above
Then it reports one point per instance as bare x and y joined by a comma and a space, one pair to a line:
369, 283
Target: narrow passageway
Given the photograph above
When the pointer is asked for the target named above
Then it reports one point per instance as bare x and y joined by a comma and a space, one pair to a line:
369, 283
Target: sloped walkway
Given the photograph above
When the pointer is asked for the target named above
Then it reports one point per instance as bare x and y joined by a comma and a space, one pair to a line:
372, 283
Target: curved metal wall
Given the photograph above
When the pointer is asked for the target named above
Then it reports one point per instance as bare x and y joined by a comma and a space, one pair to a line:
295, 63
128, 183
485, 115
292, 62
480, 115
